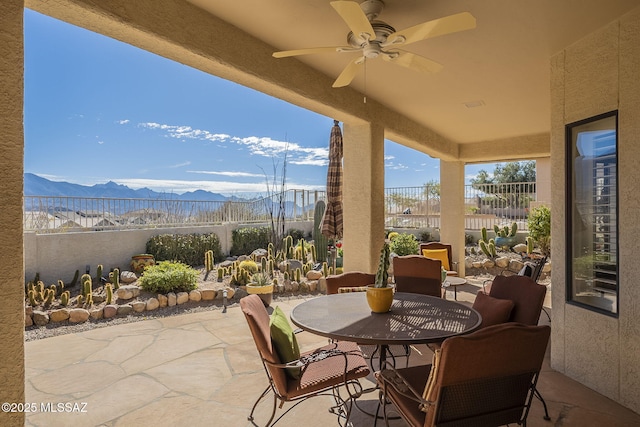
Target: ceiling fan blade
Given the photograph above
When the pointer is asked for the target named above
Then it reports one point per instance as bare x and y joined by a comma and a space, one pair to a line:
308, 51
438, 27
348, 73
414, 62
355, 18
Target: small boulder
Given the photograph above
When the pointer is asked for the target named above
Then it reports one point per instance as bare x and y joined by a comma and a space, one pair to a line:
313, 285
322, 285
78, 315
163, 300
314, 274
195, 295
128, 291
259, 254
515, 265
40, 318
182, 297
59, 315
96, 313
226, 263
230, 292
502, 261
477, 264
303, 287
152, 304
238, 295
110, 311
295, 286
28, 310
97, 299
171, 299
208, 294
128, 277
520, 248
546, 268
488, 263
28, 321
125, 309
139, 306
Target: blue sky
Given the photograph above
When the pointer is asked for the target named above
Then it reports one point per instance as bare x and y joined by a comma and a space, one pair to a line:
99, 110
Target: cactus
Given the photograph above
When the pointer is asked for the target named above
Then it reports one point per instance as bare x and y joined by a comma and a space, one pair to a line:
87, 287
314, 253
286, 275
53, 289
288, 247
529, 245
32, 298
208, 260
485, 237
84, 278
64, 298
60, 286
505, 231
220, 274
270, 250
382, 275
36, 279
99, 273
75, 278
325, 269
115, 278
298, 275
40, 286
80, 300
49, 296
489, 249
263, 264
319, 240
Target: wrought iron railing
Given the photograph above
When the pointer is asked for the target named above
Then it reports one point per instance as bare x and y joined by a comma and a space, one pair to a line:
406, 207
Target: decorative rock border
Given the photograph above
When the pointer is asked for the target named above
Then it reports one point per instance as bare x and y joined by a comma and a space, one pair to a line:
127, 293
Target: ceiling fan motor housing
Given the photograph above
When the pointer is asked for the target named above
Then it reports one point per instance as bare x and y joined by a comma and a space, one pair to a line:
382, 30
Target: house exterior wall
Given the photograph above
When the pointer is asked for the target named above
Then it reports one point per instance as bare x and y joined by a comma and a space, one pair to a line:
593, 76
11, 165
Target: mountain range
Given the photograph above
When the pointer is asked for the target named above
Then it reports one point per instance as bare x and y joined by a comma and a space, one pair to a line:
35, 185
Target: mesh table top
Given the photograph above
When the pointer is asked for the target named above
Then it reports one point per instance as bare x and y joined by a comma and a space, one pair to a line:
413, 319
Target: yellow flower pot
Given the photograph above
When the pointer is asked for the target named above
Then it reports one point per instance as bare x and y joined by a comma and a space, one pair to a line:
264, 292
379, 299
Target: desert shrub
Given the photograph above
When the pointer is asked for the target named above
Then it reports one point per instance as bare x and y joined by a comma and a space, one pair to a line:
186, 248
248, 239
296, 234
468, 239
404, 244
167, 276
424, 235
539, 223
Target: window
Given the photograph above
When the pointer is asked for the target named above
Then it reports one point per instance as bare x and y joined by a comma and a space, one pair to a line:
592, 213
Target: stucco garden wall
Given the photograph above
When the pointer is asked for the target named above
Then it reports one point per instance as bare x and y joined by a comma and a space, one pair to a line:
596, 75
58, 256
11, 165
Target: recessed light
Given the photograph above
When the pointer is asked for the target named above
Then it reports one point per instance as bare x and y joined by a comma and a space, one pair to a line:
474, 104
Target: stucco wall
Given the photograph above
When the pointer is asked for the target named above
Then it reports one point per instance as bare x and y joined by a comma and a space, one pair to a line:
58, 256
11, 165
596, 75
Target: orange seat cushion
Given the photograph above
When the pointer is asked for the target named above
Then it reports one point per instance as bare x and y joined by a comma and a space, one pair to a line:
440, 254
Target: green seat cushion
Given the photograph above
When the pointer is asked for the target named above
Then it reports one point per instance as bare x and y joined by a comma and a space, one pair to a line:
284, 341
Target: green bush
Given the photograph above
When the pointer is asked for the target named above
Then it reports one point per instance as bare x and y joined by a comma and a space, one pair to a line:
468, 239
167, 276
296, 234
539, 223
424, 235
186, 248
248, 239
404, 244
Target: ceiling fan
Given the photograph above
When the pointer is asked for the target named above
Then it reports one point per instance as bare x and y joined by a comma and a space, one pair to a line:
373, 38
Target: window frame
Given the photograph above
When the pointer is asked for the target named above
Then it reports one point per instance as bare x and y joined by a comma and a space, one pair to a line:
570, 215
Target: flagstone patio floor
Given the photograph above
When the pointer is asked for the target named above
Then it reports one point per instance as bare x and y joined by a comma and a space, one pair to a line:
202, 369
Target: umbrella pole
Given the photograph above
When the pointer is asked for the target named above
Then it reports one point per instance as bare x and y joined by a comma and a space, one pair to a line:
333, 257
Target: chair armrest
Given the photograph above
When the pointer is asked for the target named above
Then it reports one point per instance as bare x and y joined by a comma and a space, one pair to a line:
389, 376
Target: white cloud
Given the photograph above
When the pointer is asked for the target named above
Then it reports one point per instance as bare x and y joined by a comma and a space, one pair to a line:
180, 165
388, 157
259, 146
123, 122
229, 173
100, 142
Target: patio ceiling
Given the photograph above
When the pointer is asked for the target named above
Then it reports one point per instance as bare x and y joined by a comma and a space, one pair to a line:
503, 64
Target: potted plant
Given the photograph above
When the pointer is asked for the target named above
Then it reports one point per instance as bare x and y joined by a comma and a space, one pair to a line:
261, 285
140, 261
380, 294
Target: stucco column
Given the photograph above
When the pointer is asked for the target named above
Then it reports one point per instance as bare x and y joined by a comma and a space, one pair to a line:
11, 165
543, 181
452, 209
363, 196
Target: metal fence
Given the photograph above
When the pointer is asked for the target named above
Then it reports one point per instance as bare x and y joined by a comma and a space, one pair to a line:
485, 205
406, 207
46, 214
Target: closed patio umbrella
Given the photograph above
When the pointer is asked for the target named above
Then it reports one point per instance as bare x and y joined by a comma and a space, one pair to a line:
332, 219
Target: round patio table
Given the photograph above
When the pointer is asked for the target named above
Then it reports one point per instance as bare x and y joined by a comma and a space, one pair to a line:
413, 319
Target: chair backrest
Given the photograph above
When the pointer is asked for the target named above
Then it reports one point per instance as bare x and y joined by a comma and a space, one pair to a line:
349, 279
527, 297
418, 275
258, 319
438, 245
487, 378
